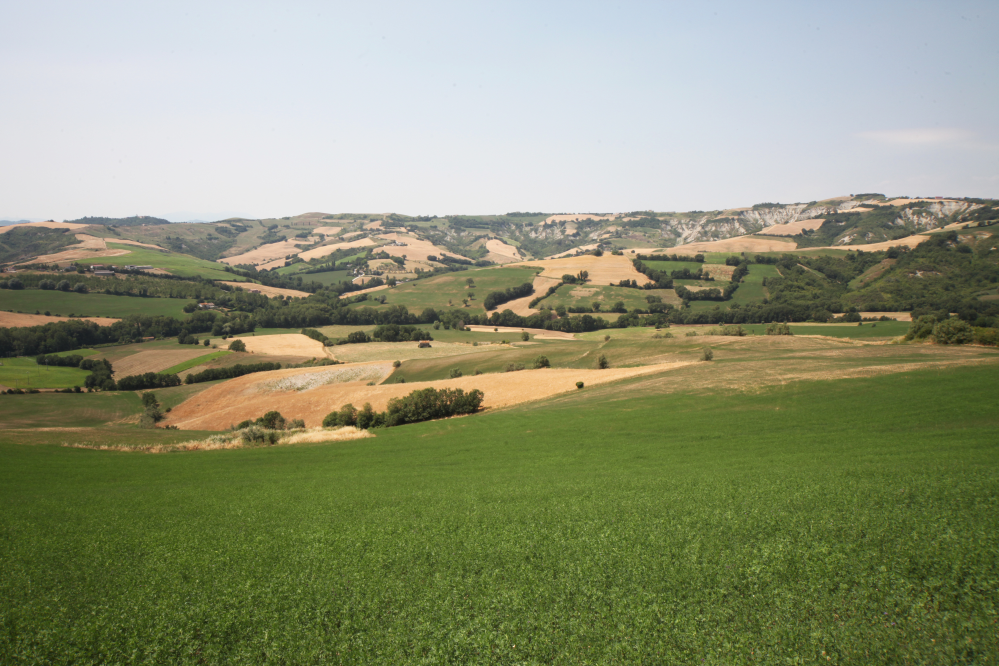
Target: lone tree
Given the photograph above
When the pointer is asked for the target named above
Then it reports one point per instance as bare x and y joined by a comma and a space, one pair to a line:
524, 336
542, 362
602, 363
237, 345
707, 354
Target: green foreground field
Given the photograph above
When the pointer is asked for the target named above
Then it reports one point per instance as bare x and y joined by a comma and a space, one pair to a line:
178, 264
24, 373
848, 521
90, 305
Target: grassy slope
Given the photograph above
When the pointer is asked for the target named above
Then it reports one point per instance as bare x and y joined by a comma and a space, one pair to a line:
852, 519
172, 262
25, 373
94, 305
569, 296
65, 410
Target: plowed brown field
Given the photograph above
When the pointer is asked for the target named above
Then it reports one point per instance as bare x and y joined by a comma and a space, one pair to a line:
250, 396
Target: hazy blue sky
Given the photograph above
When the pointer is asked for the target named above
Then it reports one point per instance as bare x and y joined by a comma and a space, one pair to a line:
206, 109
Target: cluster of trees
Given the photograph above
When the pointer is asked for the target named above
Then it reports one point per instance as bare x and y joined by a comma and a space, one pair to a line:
238, 370
657, 279
699, 258
148, 380
397, 333
421, 405
496, 298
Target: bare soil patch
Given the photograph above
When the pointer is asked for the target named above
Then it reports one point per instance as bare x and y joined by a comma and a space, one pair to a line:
252, 395
14, 319
324, 250
504, 250
793, 228
269, 291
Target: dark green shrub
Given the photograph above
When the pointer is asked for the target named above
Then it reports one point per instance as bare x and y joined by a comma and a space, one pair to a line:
237, 346
542, 362
953, 332
579, 385
602, 362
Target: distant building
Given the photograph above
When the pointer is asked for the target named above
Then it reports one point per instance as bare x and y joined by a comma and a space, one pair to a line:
104, 273
97, 267
424, 345
206, 306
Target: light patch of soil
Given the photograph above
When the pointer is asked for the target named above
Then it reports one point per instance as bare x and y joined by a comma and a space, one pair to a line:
415, 248
583, 248
908, 241
539, 333
509, 252
325, 250
14, 319
248, 397
373, 225
269, 291
156, 360
289, 344
795, 228
44, 225
898, 316
264, 254
363, 291
132, 242
902, 202
607, 269
327, 231
520, 306
736, 244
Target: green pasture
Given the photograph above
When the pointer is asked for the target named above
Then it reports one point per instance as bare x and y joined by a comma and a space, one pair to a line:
25, 373
880, 329
178, 264
435, 292
848, 522
751, 289
64, 303
692, 266
65, 410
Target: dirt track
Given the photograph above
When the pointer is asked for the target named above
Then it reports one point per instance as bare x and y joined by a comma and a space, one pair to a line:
250, 396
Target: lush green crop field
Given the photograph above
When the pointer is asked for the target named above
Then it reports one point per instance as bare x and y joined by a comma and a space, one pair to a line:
172, 262
91, 305
435, 292
852, 519
692, 266
751, 289
25, 373
881, 329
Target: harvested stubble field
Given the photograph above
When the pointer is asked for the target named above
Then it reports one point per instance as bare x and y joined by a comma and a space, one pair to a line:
607, 269
415, 248
282, 344
326, 250
16, 319
847, 521
521, 306
250, 396
737, 244
437, 291
536, 333
265, 253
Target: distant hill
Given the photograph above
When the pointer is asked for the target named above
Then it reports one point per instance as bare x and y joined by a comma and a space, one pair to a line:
134, 221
